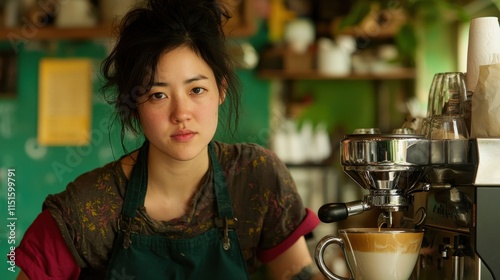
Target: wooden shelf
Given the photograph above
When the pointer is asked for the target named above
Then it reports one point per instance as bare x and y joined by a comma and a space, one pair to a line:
400, 74
55, 33
241, 24
86, 33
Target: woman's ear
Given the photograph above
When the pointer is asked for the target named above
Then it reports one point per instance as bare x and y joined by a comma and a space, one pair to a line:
222, 96
222, 93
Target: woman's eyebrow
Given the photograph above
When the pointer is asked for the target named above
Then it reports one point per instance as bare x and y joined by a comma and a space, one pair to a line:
196, 78
159, 84
188, 81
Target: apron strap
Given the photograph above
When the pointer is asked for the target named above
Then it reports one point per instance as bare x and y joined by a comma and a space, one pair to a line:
137, 186
221, 192
225, 220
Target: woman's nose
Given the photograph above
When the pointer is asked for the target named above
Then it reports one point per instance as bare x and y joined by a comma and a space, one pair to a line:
180, 111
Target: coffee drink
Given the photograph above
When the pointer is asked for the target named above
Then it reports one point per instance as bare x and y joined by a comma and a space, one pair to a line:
374, 254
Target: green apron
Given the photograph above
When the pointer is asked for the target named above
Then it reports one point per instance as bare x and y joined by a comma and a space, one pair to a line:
214, 254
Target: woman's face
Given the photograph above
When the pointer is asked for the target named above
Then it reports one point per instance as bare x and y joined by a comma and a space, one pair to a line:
179, 115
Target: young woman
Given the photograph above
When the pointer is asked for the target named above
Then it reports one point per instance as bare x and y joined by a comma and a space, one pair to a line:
182, 206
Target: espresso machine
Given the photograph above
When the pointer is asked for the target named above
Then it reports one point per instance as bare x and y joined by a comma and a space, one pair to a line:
449, 188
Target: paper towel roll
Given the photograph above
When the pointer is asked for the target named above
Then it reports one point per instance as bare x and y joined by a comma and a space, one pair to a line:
484, 41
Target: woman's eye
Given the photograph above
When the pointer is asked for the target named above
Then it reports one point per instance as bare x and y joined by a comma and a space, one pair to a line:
198, 90
157, 95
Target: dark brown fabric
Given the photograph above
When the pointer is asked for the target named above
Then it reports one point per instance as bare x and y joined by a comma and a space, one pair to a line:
264, 196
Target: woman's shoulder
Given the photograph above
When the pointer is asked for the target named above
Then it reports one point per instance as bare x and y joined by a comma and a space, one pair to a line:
111, 174
243, 152
94, 185
249, 159
87, 210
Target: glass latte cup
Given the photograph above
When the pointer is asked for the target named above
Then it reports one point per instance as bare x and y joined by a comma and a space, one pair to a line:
373, 253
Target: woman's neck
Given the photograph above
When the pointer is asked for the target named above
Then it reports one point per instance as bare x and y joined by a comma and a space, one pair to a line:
173, 177
172, 184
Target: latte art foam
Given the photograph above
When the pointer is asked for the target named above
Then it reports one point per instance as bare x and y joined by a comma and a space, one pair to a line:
382, 254
385, 241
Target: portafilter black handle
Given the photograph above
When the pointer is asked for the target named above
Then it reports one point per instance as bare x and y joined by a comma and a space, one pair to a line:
334, 212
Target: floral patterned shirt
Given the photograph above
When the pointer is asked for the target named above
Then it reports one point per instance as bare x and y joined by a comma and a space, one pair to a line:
263, 193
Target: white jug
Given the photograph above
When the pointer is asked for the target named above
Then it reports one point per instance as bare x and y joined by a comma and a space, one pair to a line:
76, 13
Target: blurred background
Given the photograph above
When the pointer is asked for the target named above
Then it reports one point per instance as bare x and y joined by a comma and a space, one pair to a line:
312, 71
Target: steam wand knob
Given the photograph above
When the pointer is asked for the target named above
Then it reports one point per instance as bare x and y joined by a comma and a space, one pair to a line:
334, 212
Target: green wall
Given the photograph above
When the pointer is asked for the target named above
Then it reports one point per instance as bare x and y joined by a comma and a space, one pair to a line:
35, 172
344, 105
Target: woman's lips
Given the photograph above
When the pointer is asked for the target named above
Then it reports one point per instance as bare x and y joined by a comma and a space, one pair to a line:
183, 136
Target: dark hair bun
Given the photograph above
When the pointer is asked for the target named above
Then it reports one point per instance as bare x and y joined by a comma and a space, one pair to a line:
214, 9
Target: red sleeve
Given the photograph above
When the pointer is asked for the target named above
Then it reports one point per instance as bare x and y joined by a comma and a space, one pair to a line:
308, 224
43, 254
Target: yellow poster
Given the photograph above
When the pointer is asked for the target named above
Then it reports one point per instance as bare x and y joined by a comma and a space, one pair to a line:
65, 102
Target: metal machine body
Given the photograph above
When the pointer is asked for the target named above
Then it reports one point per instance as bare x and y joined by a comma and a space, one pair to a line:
450, 188
461, 217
